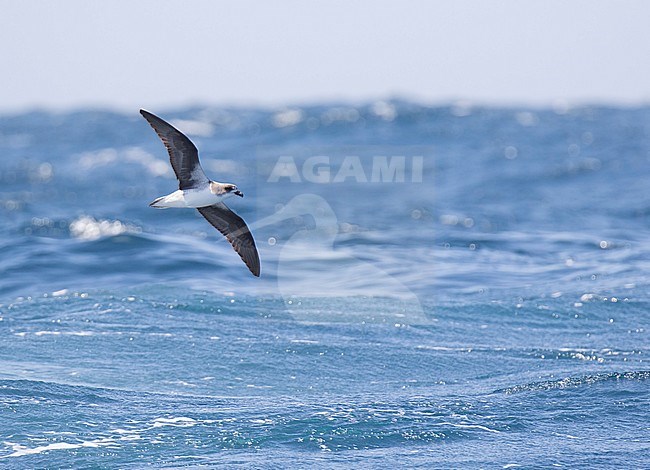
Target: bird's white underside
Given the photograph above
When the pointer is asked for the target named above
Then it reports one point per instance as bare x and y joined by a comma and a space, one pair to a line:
190, 198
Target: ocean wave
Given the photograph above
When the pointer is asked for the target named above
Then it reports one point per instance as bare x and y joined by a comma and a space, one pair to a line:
388, 312
579, 381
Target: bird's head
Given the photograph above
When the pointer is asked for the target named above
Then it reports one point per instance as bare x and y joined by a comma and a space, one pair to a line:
232, 189
225, 189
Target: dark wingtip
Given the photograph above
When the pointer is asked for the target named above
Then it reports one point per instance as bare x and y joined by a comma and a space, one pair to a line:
253, 265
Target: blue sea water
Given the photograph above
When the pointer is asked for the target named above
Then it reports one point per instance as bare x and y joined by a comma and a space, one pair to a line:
442, 287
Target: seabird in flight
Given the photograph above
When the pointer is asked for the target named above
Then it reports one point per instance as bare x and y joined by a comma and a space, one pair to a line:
197, 191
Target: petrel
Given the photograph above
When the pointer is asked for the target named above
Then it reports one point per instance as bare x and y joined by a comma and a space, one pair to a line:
197, 191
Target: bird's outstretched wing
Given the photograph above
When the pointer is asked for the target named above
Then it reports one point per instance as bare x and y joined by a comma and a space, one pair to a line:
236, 231
182, 153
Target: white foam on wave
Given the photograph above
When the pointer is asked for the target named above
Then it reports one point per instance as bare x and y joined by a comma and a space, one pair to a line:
57, 333
21, 451
287, 117
43, 333
180, 421
384, 110
118, 435
182, 383
89, 228
446, 348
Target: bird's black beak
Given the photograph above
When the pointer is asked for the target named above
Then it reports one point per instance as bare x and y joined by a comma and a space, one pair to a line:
238, 193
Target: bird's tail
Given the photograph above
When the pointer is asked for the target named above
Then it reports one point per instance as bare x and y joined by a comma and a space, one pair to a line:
156, 203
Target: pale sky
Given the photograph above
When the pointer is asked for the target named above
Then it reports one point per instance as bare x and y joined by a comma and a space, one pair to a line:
127, 54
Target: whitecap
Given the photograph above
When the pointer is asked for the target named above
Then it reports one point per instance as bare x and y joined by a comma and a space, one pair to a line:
180, 421
288, 117
20, 450
89, 228
384, 110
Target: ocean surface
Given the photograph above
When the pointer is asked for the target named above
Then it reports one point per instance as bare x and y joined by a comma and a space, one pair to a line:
442, 287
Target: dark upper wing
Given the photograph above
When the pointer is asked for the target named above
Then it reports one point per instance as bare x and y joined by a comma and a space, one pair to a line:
236, 231
182, 153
